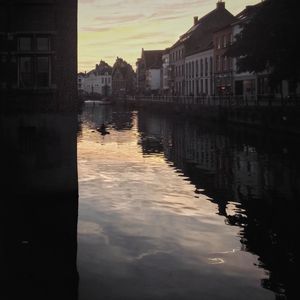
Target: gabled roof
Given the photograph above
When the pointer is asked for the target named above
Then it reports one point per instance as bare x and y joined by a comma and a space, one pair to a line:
200, 36
152, 58
122, 67
101, 69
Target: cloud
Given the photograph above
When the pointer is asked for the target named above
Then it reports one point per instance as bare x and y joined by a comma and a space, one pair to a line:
95, 29
119, 19
110, 28
86, 1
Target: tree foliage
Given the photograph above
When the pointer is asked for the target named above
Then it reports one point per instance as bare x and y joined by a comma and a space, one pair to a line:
269, 41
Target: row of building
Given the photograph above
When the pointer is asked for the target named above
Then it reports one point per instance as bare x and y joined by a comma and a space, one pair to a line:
104, 80
198, 64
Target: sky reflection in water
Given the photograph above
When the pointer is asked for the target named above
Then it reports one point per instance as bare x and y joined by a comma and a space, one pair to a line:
147, 232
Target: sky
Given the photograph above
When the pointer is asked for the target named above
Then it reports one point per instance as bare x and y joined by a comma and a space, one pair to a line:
108, 29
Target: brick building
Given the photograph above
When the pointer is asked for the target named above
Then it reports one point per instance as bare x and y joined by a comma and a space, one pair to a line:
196, 45
223, 71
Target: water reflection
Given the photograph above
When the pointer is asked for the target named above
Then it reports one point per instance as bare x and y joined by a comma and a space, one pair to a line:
39, 208
174, 210
259, 173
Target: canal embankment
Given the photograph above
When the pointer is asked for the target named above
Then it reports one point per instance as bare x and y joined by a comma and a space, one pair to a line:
268, 114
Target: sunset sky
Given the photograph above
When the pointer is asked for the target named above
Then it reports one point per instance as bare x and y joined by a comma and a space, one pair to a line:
111, 28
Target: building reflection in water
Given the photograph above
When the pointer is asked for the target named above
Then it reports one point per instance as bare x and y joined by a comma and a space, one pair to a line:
94, 114
39, 206
252, 178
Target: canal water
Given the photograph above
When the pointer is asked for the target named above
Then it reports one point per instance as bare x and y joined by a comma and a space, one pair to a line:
171, 208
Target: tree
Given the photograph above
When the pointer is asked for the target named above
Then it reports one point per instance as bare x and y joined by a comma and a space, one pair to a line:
269, 42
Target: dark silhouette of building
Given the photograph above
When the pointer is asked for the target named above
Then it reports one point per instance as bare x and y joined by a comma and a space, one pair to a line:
38, 123
38, 46
122, 78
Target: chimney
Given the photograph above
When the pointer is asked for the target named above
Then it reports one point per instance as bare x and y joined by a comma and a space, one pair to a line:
220, 4
195, 20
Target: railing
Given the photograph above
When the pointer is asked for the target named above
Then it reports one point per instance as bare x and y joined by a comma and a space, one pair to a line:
260, 100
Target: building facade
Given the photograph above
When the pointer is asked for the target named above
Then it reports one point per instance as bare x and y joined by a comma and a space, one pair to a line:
38, 51
177, 60
166, 73
247, 85
223, 72
195, 47
99, 80
149, 72
80, 81
199, 74
122, 78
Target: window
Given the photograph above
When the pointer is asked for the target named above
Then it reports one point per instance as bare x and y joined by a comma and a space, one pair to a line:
26, 74
34, 67
206, 66
201, 67
224, 41
219, 42
43, 71
230, 63
211, 65
219, 64
25, 43
43, 44
193, 69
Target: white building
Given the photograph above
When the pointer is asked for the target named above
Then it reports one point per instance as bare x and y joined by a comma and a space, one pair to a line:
199, 74
149, 71
165, 72
153, 79
99, 80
